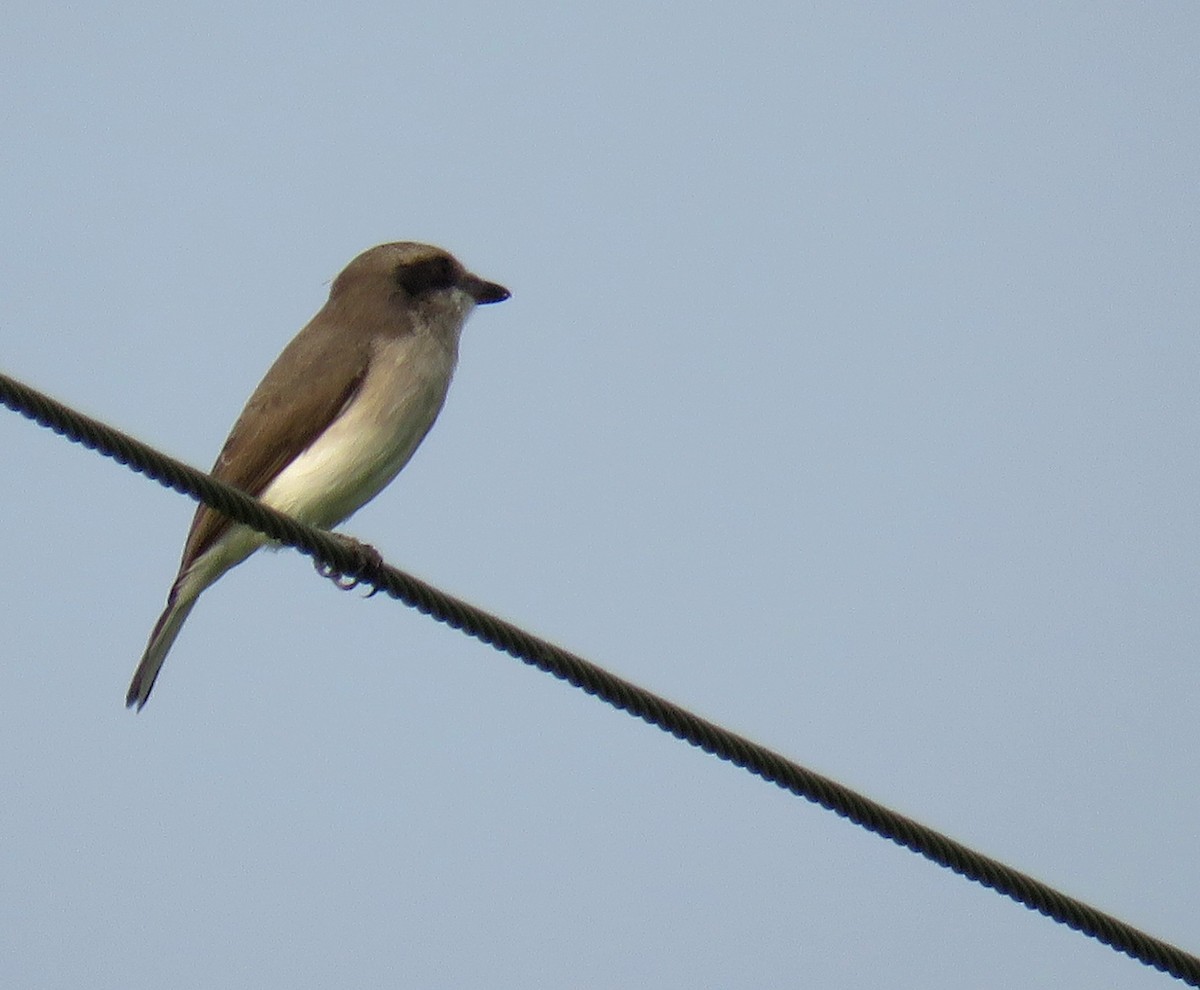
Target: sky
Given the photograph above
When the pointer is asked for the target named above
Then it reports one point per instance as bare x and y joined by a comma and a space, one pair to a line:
847, 396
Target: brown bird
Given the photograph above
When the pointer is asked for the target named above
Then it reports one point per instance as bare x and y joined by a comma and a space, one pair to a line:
337, 416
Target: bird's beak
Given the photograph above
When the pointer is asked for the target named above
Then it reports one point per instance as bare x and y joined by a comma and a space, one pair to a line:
484, 292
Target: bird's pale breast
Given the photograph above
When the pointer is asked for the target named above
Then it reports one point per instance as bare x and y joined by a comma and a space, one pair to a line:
373, 438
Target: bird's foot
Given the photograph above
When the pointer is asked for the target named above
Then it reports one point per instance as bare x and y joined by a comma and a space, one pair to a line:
368, 562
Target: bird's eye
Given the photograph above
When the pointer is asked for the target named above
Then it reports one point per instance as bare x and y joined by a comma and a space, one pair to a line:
428, 275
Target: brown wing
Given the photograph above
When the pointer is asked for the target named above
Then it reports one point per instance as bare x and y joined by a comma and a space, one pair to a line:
304, 391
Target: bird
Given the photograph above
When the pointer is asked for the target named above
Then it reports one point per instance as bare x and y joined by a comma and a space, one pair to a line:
335, 418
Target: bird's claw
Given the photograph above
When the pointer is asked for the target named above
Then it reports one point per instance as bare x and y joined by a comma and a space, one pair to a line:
368, 560
347, 582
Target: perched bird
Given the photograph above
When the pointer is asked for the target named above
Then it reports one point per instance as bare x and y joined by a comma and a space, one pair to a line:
337, 416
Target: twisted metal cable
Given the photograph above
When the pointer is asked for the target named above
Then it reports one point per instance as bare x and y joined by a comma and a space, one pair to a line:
344, 558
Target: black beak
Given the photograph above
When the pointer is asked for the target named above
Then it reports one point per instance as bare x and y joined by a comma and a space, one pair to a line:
484, 292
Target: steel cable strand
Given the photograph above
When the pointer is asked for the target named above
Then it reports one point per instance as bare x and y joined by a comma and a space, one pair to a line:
804, 783
343, 558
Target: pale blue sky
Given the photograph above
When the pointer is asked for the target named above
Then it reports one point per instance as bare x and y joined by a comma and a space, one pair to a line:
847, 395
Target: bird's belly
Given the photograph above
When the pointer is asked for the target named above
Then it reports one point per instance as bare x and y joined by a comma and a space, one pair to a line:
373, 438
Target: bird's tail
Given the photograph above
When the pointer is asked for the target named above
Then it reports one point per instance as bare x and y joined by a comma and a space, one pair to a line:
179, 606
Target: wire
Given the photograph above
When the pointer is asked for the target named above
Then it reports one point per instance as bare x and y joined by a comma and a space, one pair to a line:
344, 557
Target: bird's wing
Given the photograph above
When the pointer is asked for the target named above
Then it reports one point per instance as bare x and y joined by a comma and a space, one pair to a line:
324, 371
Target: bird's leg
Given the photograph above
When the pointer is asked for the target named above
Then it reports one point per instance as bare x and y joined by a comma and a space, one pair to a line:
367, 560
